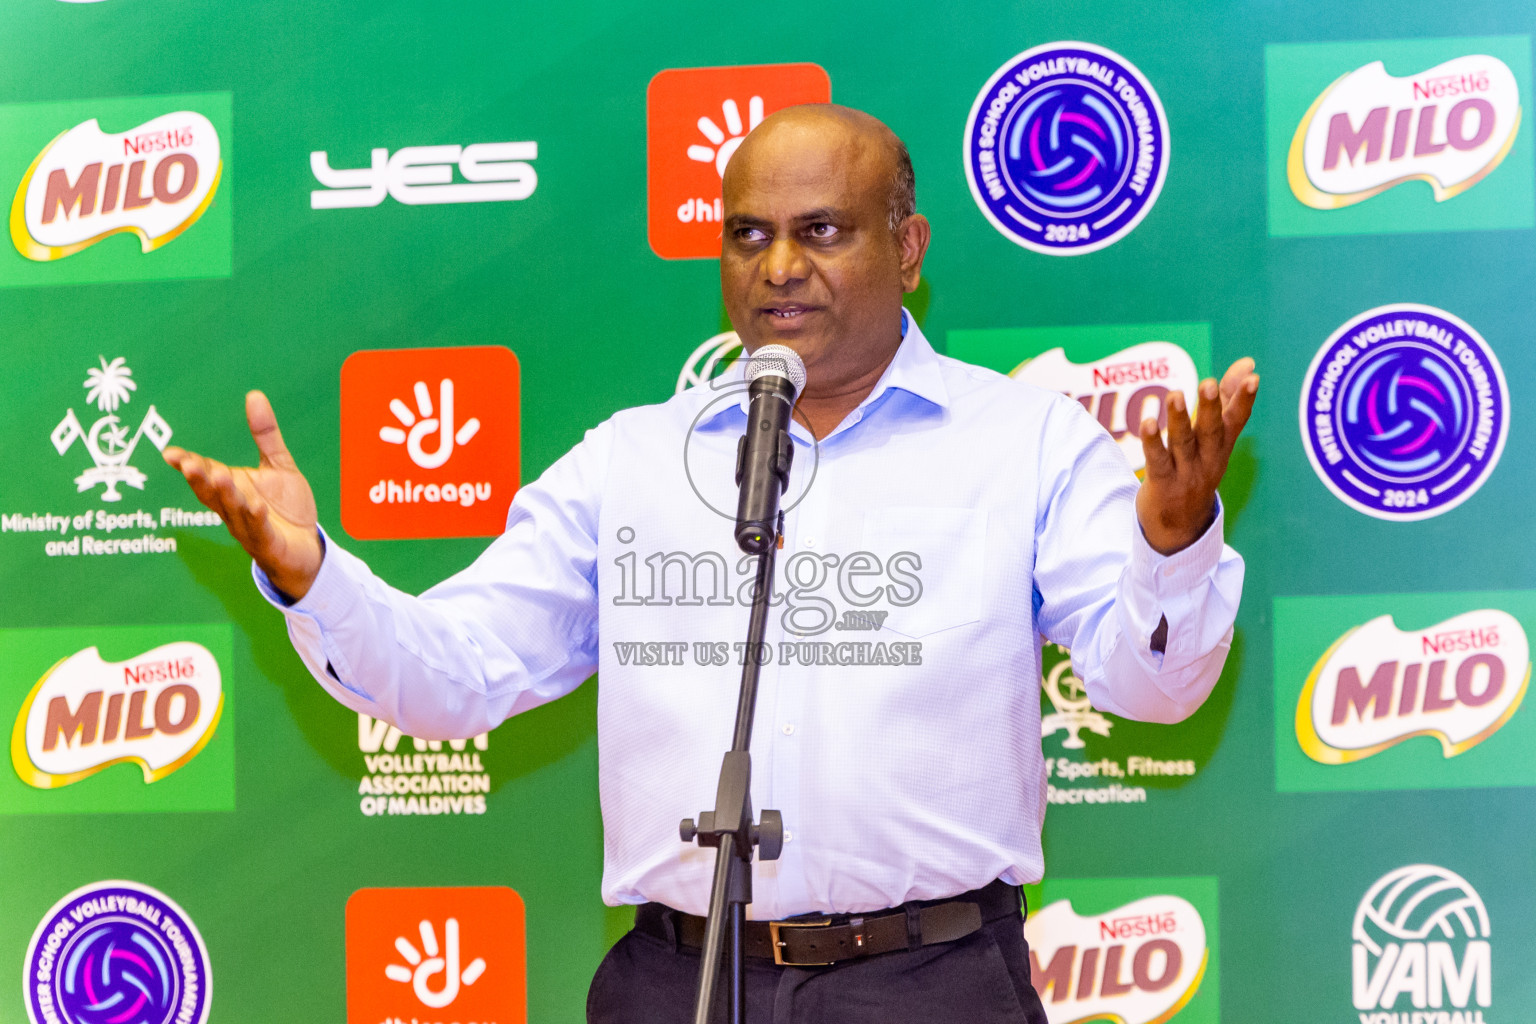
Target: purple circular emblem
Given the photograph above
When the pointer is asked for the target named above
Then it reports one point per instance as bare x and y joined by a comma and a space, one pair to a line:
117, 953
1404, 412
1066, 148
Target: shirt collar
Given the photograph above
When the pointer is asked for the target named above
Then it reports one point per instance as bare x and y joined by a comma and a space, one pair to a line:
915, 369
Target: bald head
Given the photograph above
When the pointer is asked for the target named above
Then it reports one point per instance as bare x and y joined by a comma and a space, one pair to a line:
861, 136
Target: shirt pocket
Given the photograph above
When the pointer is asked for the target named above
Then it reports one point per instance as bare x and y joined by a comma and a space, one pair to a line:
935, 559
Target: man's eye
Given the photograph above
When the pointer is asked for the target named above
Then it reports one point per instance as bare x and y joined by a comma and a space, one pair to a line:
823, 230
750, 234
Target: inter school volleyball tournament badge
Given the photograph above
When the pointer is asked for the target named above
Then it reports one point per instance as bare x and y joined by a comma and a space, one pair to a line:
117, 951
1066, 148
1404, 412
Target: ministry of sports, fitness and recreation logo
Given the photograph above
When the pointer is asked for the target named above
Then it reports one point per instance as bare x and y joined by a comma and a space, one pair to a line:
1142, 951
117, 951
1404, 412
108, 441
1066, 148
1421, 939
1458, 681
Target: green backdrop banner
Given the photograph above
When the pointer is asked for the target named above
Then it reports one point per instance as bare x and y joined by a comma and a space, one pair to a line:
456, 237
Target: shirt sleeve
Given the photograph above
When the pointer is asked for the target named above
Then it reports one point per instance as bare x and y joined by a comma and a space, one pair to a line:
516, 629
1102, 592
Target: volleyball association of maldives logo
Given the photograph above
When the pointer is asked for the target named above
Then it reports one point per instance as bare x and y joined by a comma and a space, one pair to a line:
1404, 412
1458, 681
154, 180
1448, 126
117, 953
1421, 939
1066, 148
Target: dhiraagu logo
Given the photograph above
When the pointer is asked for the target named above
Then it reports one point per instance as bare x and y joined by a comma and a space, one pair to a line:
121, 718
1127, 950
1399, 135
1403, 691
116, 190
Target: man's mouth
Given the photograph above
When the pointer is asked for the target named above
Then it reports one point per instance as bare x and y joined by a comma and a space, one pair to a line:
789, 311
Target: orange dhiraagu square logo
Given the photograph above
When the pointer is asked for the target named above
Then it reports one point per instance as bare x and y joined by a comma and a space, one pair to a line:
695, 119
430, 442
430, 955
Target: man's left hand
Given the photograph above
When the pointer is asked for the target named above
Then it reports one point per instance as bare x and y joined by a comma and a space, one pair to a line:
1177, 500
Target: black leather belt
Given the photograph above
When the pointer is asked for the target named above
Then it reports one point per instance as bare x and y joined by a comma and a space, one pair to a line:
816, 940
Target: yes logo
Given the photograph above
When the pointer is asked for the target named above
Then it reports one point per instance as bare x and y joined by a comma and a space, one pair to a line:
1403, 691
457, 950
1399, 135
1421, 940
124, 718
1121, 374
429, 442
423, 175
695, 120
1141, 959
151, 169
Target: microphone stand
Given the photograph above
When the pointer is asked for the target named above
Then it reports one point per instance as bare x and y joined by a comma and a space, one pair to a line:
729, 827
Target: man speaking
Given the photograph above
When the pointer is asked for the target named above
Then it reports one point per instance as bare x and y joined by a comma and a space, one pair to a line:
941, 519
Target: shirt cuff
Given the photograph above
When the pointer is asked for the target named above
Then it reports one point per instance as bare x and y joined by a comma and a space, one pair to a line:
331, 592
1181, 571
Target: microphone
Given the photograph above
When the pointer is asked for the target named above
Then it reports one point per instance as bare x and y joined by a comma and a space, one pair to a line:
775, 376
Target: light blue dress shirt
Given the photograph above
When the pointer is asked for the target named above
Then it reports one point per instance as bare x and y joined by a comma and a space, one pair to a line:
963, 513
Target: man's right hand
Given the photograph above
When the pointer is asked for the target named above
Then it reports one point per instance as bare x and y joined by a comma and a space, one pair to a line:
269, 509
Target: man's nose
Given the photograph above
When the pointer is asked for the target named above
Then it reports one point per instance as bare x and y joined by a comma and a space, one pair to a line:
786, 261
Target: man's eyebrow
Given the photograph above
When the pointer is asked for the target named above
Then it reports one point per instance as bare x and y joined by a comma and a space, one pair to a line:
822, 213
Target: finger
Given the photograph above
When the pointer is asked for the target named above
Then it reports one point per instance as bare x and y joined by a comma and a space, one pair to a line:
263, 423
1235, 412
1181, 436
1208, 417
197, 471
1159, 461
1235, 375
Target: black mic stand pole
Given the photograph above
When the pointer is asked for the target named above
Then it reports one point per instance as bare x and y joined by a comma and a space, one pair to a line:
729, 827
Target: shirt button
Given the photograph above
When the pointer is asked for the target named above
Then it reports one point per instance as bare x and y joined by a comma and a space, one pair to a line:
1169, 570
789, 836
809, 542
789, 728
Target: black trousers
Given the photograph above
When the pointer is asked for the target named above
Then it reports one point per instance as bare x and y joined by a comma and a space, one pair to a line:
982, 978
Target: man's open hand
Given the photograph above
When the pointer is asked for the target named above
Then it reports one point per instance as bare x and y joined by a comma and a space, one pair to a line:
269, 509
1177, 500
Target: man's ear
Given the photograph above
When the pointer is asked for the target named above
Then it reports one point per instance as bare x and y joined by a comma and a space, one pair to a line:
912, 238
